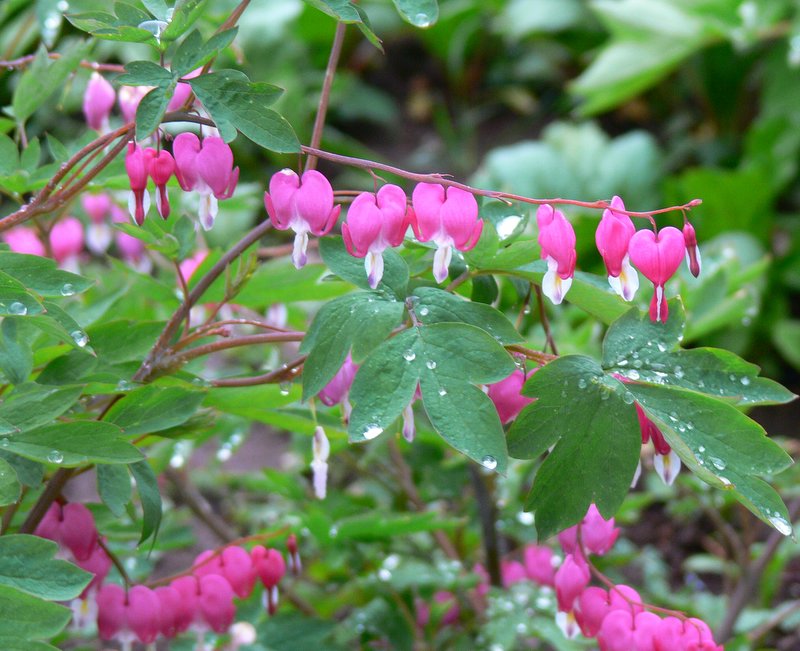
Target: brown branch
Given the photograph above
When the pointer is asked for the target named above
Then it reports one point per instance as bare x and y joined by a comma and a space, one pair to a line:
22, 62
282, 374
233, 342
487, 514
198, 505
51, 491
322, 109
545, 321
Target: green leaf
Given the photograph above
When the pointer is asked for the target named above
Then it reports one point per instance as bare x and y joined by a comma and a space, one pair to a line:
10, 488
16, 644
340, 326
435, 305
339, 261
27, 564
57, 323
382, 526
15, 300
150, 498
40, 275
145, 73
31, 405
446, 360
238, 104
185, 14
9, 155
420, 13
153, 409
347, 12
114, 487
16, 357
193, 53
251, 402
28, 472
72, 444
44, 77
28, 618
151, 110
29, 160
590, 419
718, 443
640, 349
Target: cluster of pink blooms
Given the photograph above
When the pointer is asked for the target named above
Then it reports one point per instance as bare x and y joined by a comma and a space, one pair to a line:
448, 217
616, 617
199, 601
657, 254
509, 401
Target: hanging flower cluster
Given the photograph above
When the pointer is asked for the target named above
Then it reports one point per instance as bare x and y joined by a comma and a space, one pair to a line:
200, 601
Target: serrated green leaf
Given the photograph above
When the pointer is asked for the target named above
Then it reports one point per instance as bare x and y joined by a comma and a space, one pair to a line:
29, 618
446, 360
72, 444
339, 261
10, 488
150, 498
151, 408
114, 487
591, 420
41, 275
338, 327
435, 305
640, 349
237, 104
27, 564
420, 13
31, 405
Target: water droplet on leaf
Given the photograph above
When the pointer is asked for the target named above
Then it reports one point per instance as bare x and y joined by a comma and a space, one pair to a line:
68, 289
55, 456
424, 311
80, 338
582, 383
372, 432
489, 462
17, 309
430, 364
627, 398
409, 355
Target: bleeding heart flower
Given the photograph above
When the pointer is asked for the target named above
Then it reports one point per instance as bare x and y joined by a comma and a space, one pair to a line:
304, 204
692, 251
557, 239
22, 239
127, 617
136, 165
374, 223
658, 257
449, 218
98, 100
612, 237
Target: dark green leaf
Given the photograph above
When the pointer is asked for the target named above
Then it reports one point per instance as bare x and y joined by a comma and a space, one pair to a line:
237, 104
10, 488
31, 405
28, 472
340, 325
446, 360
31, 156
420, 13
9, 155
150, 498
16, 357
641, 349
145, 73
151, 110
382, 526
57, 323
72, 444
591, 420
27, 564
153, 408
114, 487
185, 14
339, 261
15, 300
193, 53
29, 618
41, 275
438, 306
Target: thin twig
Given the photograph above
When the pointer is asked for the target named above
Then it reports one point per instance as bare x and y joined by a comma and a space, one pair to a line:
117, 563
487, 514
322, 109
198, 505
23, 62
282, 374
233, 342
545, 321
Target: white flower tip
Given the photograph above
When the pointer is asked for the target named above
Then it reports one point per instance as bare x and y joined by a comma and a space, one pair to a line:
555, 287
568, 625
668, 466
373, 263
441, 262
299, 257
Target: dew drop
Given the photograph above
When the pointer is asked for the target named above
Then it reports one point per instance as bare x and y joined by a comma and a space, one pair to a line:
627, 398
17, 309
333, 532
409, 355
582, 383
430, 364
224, 453
637, 363
372, 431
424, 311
725, 481
745, 381
68, 289
732, 377
719, 464
525, 517
442, 392
701, 449
678, 372
285, 387
4, 443
80, 338
662, 348
62, 6
781, 525
622, 362
422, 20
55, 456
123, 385
489, 462
633, 374
384, 574
635, 355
